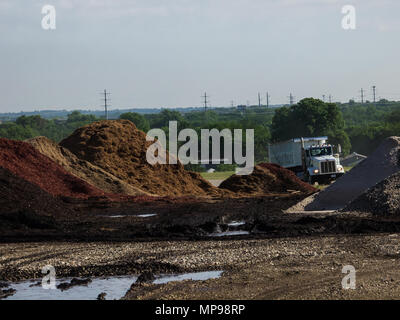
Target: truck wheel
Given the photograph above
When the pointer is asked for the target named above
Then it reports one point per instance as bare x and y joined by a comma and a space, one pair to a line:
311, 180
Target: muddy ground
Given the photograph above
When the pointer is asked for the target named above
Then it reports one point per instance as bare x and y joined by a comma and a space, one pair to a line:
285, 268
284, 256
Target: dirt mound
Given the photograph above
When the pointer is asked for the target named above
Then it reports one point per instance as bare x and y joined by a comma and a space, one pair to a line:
382, 200
266, 178
119, 148
378, 166
23, 204
83, 169
26, 162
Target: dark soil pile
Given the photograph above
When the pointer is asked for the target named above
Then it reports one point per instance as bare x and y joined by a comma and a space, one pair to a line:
382, 200
25, 204
378, 166
119, 148
83, 169
25, 161
267, 178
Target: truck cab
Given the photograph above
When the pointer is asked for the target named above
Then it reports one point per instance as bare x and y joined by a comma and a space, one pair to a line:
321, 164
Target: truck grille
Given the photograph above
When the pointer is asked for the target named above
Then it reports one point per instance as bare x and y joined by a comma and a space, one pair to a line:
328, 167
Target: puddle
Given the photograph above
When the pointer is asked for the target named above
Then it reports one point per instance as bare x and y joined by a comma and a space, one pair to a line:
115, 287
229, 233
116, 216
190, 276
236, 223
146, 215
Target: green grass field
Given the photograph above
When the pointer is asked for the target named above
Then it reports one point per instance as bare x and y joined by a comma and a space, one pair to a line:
217, 175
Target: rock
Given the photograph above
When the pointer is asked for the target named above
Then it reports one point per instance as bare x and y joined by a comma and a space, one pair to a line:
7, 293
74, 282
102, 296
146, 277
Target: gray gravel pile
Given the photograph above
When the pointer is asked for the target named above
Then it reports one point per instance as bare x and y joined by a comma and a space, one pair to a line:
381, 164
381, 200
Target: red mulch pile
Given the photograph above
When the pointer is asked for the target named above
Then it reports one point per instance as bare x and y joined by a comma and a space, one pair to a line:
267, 178
25, 161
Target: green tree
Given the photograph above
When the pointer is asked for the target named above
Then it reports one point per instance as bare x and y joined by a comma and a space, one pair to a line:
140, 121
309, 118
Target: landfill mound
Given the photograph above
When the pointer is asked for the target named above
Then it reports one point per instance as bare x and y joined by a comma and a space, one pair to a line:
83, 169
382, 200
378, 166
29, 164
119, 148
266, 178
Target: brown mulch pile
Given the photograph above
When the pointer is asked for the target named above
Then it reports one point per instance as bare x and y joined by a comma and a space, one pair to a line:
119, 148
267, 178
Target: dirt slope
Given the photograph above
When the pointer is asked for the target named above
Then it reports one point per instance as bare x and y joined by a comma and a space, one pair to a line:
83, 169
119, 148
266, 178
378, 166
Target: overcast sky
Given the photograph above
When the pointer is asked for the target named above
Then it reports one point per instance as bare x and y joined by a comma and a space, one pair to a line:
154, 53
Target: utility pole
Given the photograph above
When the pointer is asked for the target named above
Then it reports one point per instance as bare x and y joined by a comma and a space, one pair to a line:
205, 101
362, 96
105, 94
374, 93
259, 100
268, 96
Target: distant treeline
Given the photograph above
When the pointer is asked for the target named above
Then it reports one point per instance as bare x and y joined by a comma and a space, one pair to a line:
357, 127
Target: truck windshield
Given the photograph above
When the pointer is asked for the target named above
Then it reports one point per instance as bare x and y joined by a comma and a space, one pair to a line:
321, 151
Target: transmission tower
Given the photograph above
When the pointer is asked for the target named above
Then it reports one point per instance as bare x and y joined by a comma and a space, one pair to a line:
291, 99
259, 100
205, 101
105, 95
374, 93
362, 95
268, 96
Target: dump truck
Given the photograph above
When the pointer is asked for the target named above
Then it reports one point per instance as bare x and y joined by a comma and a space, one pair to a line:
312, 159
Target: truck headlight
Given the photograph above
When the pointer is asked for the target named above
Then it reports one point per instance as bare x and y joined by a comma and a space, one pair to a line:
340, 169
316, 171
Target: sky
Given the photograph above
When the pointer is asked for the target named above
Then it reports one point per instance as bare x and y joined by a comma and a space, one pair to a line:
154, 53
